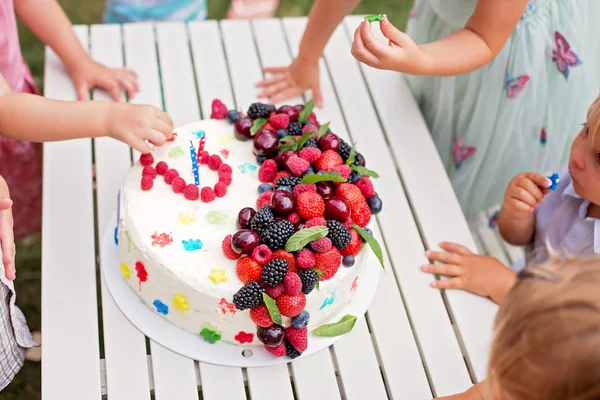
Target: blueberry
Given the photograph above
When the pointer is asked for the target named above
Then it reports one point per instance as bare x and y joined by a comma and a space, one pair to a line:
233, 116
301, 320
282, 133
309, 171
375, 204
369, 231
359, 160
354, 176
260, 159
309, 122
263, 187
348, 261
286, 188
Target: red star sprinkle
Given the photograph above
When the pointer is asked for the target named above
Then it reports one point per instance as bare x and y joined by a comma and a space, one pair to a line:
225, 153
227, 307
354, 285
172, 138
161, 239
244, 337
141, 273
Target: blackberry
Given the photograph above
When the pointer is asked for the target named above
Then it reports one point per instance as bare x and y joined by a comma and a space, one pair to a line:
339, 234
310, 143
276, 235
263, 218
249, 296
344, 150
290, 350
260, 110
294, 128
359, 160
309, 122
233, 116
274, 272
290, 181
309, 279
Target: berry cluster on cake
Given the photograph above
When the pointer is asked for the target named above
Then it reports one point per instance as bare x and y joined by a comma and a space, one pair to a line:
250, 244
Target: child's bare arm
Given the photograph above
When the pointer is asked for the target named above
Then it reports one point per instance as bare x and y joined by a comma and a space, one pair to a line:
475, 392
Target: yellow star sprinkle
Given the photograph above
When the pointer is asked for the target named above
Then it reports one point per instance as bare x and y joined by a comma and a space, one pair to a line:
217, 276
125, 271
225, 139
186, 219
180, 302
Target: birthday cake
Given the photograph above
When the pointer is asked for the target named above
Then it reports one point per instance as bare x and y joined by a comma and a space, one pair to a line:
249, 228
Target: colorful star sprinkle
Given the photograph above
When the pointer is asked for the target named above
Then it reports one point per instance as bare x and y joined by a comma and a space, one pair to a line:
192, 244
198, 134
226, 307
328, 301
161, 239
116, 235
125, 271
176, 152
225, 139
216, 217
354, 285
244, 337
493, 222
186, 219
161, 307
554, 180
218, 276
180, 302
247, 167
225, 153
128, 241
210, 333
142, 274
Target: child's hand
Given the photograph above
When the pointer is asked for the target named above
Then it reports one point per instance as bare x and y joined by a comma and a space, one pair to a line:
134, 124
87, 74
482, 275
401, 54
7, 239
523, 194
291, 81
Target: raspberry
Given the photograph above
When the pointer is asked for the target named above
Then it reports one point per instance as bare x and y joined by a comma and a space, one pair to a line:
309, 128
248, 270
170, 174
191, 192
310, 205
220, 189
203, 157
366, 187
225, 169
161, 167
207, 194
267, 171
297, 337
278, 351
304, 187
275, 291
292, 285
289, 257
149, 171
280, 121
320, 221
297, 165
262, 254
264, 199
313, 117
261, 317
310, 154
219, 110
146, 159
214, 162
291, 306
343, 170
322, 245
226, 179
294, 218
147, 183
305, 259
227, 249
178, 184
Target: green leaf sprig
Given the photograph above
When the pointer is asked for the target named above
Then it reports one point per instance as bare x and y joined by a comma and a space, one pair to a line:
372, 242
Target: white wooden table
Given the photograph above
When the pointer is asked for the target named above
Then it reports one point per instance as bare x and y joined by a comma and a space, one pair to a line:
414, 343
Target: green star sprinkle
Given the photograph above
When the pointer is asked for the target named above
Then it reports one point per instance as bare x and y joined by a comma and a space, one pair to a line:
375, 18
210, 333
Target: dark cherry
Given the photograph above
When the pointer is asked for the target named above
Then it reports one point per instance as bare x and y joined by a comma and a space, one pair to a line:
336, 208
359, 160
242, 129
244, 241
282, 202
271, 336
329, 141
244, 217
266, 142
324, 189
290, 111
282, 157
299, 107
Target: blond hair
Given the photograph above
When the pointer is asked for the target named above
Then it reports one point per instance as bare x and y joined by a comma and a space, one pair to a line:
593, 114
547, 334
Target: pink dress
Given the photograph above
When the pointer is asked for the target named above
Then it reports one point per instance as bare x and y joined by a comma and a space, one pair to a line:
20, 162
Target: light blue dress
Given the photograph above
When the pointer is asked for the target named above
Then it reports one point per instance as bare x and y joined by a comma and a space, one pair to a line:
121, 11
521, 111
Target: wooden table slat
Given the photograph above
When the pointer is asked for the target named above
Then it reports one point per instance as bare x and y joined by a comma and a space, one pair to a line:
314, 377
263, 382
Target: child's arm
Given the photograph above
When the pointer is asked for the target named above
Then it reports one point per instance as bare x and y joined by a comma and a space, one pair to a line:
475, 392
37, 119
7, 239
516, 221
303, 73
48, 21
471, 47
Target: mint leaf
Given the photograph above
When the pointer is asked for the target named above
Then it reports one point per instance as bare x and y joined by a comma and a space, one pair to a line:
372, 243
256, 125
324, 177
305, 113
285, 147
273, 310
323, 130
341, 327
303, 140
364, 171
304, 237
288, 139
351, 156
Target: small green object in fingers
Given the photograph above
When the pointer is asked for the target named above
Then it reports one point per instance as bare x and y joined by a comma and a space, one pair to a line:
375, 18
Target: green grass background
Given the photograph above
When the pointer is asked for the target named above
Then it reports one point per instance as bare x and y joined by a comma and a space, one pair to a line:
27, 384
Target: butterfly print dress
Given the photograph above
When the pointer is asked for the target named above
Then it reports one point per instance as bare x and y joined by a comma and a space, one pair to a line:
521, 111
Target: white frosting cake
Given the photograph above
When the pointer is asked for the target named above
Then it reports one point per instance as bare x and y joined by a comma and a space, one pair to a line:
170, 247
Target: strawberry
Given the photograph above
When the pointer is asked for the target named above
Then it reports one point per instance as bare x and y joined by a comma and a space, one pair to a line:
289, 257
248, 270
310, 205
328, 263
278, 351
351, 194
290, 306
298, 337
328, 161
361, 215
261, 317
355, 244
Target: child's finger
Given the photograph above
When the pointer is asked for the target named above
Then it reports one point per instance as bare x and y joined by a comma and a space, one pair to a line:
164, 129
539, 180
286, 94
163, 116
271, 80
155, 137
5, 203
525, 196
455, 248
532, 188
374, 46
445, 257
274, 70
274, 89
442, 269
7, 240
83, 91
454, 283
520, 206
394, 34
138, 143
131, 73
360, 52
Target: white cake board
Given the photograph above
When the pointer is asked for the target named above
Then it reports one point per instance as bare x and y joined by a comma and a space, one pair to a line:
193, 346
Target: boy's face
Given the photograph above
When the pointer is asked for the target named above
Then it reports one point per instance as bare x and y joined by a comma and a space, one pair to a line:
584, 163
